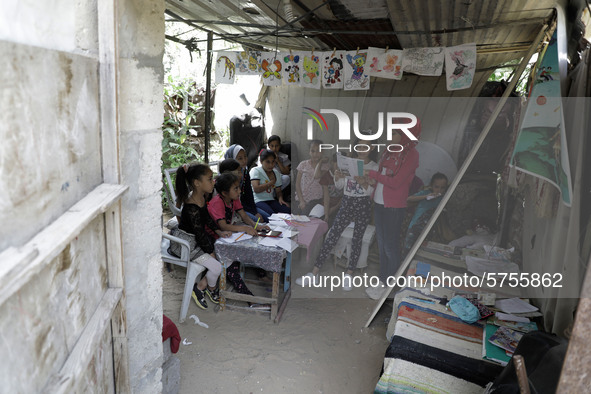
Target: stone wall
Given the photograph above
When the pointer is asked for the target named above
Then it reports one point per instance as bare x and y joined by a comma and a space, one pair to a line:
50, 158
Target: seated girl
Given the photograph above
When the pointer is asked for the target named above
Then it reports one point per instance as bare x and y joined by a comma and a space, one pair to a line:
192, 184
265, 179
308, 188
427, 200
224, 208
237, 153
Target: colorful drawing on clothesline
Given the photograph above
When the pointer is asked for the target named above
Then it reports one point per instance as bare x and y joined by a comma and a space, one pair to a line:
541, 146
460, 65
332, 69
291, 63
242, 63
248, 63
225, 67
356, 73
385, 63
310, 77
423, 61
271, 68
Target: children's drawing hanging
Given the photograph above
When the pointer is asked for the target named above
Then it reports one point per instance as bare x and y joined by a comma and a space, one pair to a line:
242, 63
385, 63
356, 71
332, 69
460, 65
310, 76
271, 68
225, 67
291, 67
254, 62
423, 61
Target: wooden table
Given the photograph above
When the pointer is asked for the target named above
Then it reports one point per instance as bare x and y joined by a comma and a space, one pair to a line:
269, 258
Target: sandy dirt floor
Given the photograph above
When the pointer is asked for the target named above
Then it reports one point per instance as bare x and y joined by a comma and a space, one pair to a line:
319, 346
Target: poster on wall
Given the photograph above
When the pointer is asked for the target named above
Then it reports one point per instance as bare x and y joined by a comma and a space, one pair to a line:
356, 71
541, 149
423, 61
225, 67
310, 75
460, 65
271, 69
385, 63
332, 69
291, 67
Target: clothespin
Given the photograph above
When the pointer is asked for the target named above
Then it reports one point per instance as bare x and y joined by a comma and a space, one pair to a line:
357, 51
334, 51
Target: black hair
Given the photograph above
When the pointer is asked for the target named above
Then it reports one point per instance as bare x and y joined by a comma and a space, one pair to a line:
316, 142
265, 153
338, 61
225, 181
273, 138
437, 176
185, 179
373, 155
228, 165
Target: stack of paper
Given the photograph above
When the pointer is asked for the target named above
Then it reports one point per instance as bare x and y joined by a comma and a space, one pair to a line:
300, 218
514, 305
234, 237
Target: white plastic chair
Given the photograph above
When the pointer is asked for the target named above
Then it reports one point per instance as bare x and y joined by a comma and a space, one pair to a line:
193, 268
170, 193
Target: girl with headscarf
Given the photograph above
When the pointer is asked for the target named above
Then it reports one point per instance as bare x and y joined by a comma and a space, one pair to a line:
238, 153
392, 180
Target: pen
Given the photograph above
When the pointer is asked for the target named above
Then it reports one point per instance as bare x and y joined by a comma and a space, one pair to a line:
239, 237
257, 223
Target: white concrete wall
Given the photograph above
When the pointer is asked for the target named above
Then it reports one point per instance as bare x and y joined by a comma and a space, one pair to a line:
141, 46
50, 158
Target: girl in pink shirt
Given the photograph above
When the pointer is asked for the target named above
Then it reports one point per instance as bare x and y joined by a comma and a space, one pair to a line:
392, 181
308, 188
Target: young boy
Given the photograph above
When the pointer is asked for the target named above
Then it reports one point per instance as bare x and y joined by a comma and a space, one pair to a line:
427, 200
282, 163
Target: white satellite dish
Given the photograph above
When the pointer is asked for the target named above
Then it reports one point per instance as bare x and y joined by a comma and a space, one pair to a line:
432, 159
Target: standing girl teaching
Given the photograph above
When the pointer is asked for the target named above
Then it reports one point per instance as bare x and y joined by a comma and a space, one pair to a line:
392, 182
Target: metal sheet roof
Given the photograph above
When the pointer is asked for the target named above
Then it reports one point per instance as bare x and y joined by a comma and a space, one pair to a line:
502, 29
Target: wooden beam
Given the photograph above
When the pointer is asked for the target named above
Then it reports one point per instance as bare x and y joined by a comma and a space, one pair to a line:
537, 41
86, 346
207, 129
16, 270
107, 14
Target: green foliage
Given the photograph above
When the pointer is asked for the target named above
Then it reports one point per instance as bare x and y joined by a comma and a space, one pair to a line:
505, 73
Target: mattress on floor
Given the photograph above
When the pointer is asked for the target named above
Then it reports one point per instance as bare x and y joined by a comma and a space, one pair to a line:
433, 351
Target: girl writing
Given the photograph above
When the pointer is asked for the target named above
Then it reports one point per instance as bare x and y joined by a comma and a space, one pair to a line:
265, 179
192, 184
223, 208
355, 207
392, 181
